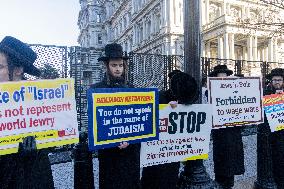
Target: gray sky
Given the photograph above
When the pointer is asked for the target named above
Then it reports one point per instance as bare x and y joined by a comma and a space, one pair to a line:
49, 22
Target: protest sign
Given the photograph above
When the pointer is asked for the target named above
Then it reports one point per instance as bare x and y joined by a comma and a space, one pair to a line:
120, 114
44, 108
184, 135
236, 101
274, 109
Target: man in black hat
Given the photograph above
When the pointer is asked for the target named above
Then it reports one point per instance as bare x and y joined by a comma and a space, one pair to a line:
28, 168
277, 138
228, 153
183, 90
119, 168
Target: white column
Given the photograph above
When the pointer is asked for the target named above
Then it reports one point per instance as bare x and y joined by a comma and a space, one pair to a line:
203, 49
208, 50
254, 47
232, 46
224, 7
262, 54
275, 50
245, 54
226, 46
270, 50
220, 47
144, 29
249, 48
207, 6
152, 24
265, 54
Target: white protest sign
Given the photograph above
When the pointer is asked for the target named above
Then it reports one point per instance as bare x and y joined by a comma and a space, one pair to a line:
236, 101
184, 135
45, 109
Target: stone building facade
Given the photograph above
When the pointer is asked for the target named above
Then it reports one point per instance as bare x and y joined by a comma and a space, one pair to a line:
230, 29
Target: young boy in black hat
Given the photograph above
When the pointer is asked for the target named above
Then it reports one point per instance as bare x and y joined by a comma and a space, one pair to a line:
276, 78
28, 168
183, 90
228, 153
119, 168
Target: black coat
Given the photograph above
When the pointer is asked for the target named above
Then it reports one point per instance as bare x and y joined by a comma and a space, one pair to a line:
32, 171
118, 168
164, 175
228, 153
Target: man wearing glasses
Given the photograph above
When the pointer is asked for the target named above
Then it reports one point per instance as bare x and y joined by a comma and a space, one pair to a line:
277, 138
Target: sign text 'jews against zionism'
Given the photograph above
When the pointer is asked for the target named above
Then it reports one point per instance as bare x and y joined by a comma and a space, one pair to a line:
121, 114
184, 134
44, 108
235, 101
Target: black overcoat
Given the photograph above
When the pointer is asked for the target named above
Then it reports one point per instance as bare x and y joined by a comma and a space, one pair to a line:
118, 168
31, 171
164, 175
228, 153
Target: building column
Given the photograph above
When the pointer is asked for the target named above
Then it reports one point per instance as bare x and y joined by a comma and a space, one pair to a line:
249, 49
224, 7
206, 10
254, 47
226, 46
144, 29
270, 50
245, 54
208, 49
203, 49
220, 47
232, 46
275, 50
152, 24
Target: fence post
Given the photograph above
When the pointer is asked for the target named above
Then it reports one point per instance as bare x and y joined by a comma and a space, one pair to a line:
83, 164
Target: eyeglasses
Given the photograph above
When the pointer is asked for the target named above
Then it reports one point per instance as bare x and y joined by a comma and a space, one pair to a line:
3, 66
277, 80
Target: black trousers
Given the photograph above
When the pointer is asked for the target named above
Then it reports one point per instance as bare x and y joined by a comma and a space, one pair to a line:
225, 181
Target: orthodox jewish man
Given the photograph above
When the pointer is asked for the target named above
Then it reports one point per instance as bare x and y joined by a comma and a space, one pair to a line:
119, 167
29, 168
228, 153
277, 138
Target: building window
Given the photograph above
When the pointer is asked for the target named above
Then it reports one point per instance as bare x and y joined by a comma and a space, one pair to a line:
100, 39
99, 18
124, 22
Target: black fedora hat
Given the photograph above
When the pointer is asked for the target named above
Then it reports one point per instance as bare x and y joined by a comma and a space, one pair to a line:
21, 54
220, 69
172, 73
112, 51
184, 87
275, 72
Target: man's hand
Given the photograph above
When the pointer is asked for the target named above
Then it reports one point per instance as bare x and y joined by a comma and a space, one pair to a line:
28, 146
123, 145
173, 104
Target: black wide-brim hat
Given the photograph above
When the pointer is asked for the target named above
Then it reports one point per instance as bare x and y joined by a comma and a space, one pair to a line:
20, 54
275, 72
220, 69
184, 87
112, 51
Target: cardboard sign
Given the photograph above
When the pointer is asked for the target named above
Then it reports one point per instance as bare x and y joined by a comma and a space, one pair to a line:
274, 110
236, 101
45, 109
117, 115
184, 135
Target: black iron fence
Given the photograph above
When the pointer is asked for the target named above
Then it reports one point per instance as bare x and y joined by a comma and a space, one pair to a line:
145, 70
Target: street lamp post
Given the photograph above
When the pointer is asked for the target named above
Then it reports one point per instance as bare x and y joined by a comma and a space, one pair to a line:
194, 175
